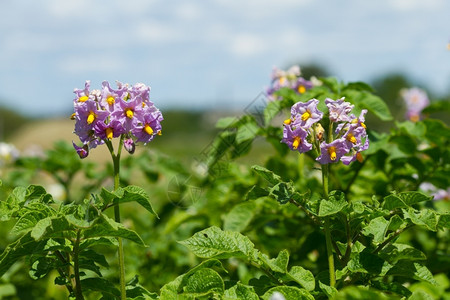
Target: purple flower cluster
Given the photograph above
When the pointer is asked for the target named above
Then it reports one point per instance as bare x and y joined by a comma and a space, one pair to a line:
416, 100
126, 112
290, 79
303, 131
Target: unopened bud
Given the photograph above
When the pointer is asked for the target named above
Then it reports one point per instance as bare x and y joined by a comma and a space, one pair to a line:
319, 132
83, 151
129, 145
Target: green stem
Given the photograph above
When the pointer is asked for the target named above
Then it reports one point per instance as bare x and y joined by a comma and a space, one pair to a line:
327, 230
76, 268
116, 167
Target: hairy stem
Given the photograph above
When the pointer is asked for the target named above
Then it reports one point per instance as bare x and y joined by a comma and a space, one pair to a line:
116, 167
76, 268
326, 228
396, 234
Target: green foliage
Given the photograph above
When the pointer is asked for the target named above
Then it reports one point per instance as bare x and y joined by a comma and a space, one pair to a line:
249, 215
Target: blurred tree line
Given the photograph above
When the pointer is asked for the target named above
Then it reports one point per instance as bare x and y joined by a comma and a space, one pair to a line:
388, 87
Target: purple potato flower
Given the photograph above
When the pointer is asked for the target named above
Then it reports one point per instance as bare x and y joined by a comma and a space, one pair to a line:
305, 114
302, 85
355, 153
296, 139
149, 127
109, 131
332, 152
84, 94
416, 100
125, 112
339, 109
109, 98
128, 113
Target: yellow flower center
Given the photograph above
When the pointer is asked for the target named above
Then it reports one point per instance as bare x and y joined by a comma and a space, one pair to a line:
109, 133
282, 80
110, 100
143, 104
83, 99
91, 117
332, 152
351, 138
129, 113
414, 118
296, 142
306, 115
72, 116
159, 133
148, 129
363, 125
287, 121
301, 89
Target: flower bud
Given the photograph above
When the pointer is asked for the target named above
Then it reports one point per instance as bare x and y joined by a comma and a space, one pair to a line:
82, 152
319, 131
129, 145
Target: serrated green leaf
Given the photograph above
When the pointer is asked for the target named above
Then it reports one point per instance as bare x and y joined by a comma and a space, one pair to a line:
377, 228
227, 122
395, 252
40, 267
268, 175
303, 277
100, 285
28, 220
358, 85
366, 262
135, 291
106, 227
239, 216
246, 132
271, 110
278, 264
366, 100
330, 291
172, 289
415, 270
131, 193
437, 132
25, 245
289, 293
56, 226
240, 291
204, 282
425, 217
334, 204
361, 292
437, 107
215, 243
420, 295
444, 221
392, 287
404, 199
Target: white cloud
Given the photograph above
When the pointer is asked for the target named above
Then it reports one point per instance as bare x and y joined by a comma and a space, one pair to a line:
416, 5
93, 63
152, 31
246, 44
188, 11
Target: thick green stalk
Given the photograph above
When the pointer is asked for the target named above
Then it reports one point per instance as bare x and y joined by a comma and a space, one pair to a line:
326, 228
116, 167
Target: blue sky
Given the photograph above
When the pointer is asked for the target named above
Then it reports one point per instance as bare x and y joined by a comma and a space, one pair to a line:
213, 54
